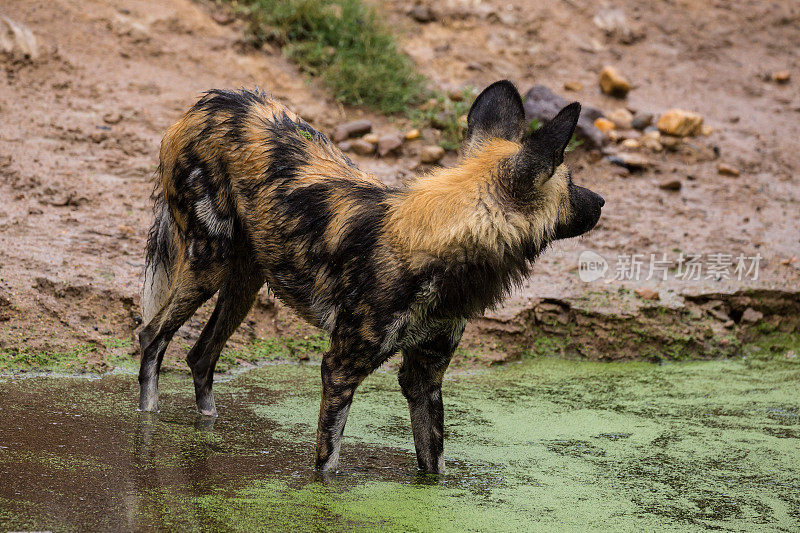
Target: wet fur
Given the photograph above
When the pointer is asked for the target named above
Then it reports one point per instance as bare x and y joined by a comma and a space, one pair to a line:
250, 193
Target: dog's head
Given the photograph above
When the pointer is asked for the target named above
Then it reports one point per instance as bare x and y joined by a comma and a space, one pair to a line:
535, 177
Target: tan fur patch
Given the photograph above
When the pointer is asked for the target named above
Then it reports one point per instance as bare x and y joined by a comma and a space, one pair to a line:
447, 209
461, 209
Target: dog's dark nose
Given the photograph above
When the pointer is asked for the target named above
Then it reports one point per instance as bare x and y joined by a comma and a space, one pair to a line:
602, 200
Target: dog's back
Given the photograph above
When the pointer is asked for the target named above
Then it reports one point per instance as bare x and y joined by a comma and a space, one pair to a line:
242, 171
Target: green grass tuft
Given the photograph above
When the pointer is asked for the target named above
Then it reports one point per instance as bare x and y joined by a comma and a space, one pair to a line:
447, 115
24, 359
343, 43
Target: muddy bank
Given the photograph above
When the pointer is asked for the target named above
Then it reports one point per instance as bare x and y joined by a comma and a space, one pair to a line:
620, 325
547, 444
83, 119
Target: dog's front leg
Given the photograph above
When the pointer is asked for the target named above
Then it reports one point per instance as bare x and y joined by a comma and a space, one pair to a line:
420, 377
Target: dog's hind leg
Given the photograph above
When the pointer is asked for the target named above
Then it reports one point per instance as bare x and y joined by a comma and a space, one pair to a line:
421, 374
189, 289
236, 297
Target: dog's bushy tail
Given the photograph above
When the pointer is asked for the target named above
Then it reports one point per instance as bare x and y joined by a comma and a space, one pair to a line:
160, 259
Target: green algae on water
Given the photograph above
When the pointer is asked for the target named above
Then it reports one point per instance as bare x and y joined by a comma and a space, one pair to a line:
545, 444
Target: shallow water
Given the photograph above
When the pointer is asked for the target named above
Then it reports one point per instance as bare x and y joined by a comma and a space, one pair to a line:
545, 445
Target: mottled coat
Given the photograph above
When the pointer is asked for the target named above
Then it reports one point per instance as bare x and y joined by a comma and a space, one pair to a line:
250, 193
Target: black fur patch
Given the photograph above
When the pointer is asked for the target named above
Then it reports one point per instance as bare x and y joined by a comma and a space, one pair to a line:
497, 112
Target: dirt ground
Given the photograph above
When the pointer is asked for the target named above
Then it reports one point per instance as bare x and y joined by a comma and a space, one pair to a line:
81, 124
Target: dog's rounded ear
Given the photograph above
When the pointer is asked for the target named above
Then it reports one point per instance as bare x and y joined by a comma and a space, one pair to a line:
497, 112
555, 135
544, 149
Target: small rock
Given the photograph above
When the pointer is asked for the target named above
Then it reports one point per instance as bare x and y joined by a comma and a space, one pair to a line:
137, 31
670, 142
615, 24
621, 117
456, 95
389, 143
573, 86
782, 76
222, 18
412, 134
593, 46
543, 104
17, 40
614, 136
509, 19
680, 123
613, 83
646, 293
371, 138
719, 313
603, 124
706, 130
362, 147
345, 146
727, 170
728, 324
670, 185
432, 135
652, 144
431, 154
352, 129
751, 316
112, 118
631, 144
441, 121
630, 161
641, 120
622, 172
422, 14
126, 231
98, 136
474, 65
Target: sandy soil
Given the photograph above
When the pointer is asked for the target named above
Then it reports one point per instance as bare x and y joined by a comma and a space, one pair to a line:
81, 126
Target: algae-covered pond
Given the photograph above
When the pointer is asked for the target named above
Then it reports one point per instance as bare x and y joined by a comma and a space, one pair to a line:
540, 445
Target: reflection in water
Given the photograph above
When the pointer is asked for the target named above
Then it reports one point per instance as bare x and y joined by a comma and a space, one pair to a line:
152, 502
204, 423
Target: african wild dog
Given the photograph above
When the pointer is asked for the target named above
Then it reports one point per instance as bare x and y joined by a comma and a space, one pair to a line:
250, 193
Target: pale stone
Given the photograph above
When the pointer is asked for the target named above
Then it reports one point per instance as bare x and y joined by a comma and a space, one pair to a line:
613, 83
431, 154
680, 123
